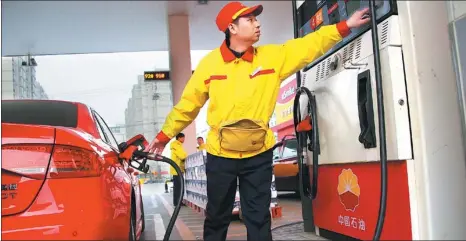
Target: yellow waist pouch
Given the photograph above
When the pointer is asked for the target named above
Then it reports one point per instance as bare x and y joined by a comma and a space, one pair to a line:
243, 135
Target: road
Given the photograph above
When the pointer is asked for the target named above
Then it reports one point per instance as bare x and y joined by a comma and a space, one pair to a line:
156, 213
158, 209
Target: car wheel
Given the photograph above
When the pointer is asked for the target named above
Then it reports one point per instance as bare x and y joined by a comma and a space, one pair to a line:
142, 216
132, 225
132, 231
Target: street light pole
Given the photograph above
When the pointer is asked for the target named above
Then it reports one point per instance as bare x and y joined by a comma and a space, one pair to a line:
30, 76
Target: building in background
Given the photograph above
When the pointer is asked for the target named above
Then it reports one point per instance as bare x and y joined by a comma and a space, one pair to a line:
19, 79
150, 103
119, 132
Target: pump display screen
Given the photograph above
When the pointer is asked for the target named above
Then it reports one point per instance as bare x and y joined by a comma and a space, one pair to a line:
310, 9
333, 11
317, 20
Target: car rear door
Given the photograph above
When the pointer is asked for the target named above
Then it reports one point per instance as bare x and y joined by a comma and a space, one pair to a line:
112, 142
117, 181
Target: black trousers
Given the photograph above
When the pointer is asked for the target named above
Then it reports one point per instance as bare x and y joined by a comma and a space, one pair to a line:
176, 189
255, 180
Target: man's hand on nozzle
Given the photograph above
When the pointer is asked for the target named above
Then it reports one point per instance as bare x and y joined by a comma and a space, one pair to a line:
359, 18
156, 146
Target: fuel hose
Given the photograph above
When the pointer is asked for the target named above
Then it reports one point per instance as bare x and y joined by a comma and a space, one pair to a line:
381, 117
160, 158
304, 191
303, 137
308, 191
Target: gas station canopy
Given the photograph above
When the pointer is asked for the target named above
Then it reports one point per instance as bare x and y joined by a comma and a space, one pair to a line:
79, 27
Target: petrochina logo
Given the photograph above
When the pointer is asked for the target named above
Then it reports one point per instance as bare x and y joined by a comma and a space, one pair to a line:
348, 189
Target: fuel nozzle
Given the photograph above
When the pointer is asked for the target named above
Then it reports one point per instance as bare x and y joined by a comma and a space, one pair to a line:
139, 162
131, 152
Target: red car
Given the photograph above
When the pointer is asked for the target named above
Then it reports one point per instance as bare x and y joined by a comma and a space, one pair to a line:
62, 177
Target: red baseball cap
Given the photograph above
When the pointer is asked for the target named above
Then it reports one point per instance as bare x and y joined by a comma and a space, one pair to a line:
234, 10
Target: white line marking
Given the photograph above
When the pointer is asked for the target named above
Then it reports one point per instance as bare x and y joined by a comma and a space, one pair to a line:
154, 201
159, 227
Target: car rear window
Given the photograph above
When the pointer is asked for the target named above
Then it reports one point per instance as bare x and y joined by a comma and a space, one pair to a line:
52, 113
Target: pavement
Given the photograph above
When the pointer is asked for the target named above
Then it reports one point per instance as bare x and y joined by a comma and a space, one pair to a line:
189, 226
294, 232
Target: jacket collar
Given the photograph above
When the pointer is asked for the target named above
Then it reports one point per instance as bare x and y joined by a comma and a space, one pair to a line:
228, 56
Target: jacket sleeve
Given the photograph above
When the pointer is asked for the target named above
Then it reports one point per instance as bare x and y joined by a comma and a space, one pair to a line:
299, 52
193, 98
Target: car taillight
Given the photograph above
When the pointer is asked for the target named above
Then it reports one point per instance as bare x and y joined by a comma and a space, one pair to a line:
70, 162
30, 160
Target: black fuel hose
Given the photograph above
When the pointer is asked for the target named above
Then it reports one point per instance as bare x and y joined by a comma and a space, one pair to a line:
160, 158
302, 137
303, 192
381, 117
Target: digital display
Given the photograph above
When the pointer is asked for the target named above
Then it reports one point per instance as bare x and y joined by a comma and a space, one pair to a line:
306, 11
333, 11
156, 75
317, 19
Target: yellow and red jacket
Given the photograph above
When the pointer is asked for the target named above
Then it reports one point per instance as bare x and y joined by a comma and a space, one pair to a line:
245, 87
178, 155
202, 147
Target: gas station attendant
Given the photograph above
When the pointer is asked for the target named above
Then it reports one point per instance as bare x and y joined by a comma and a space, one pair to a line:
242, 83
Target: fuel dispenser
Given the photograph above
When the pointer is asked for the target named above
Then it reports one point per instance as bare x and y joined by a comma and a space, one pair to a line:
354, 128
